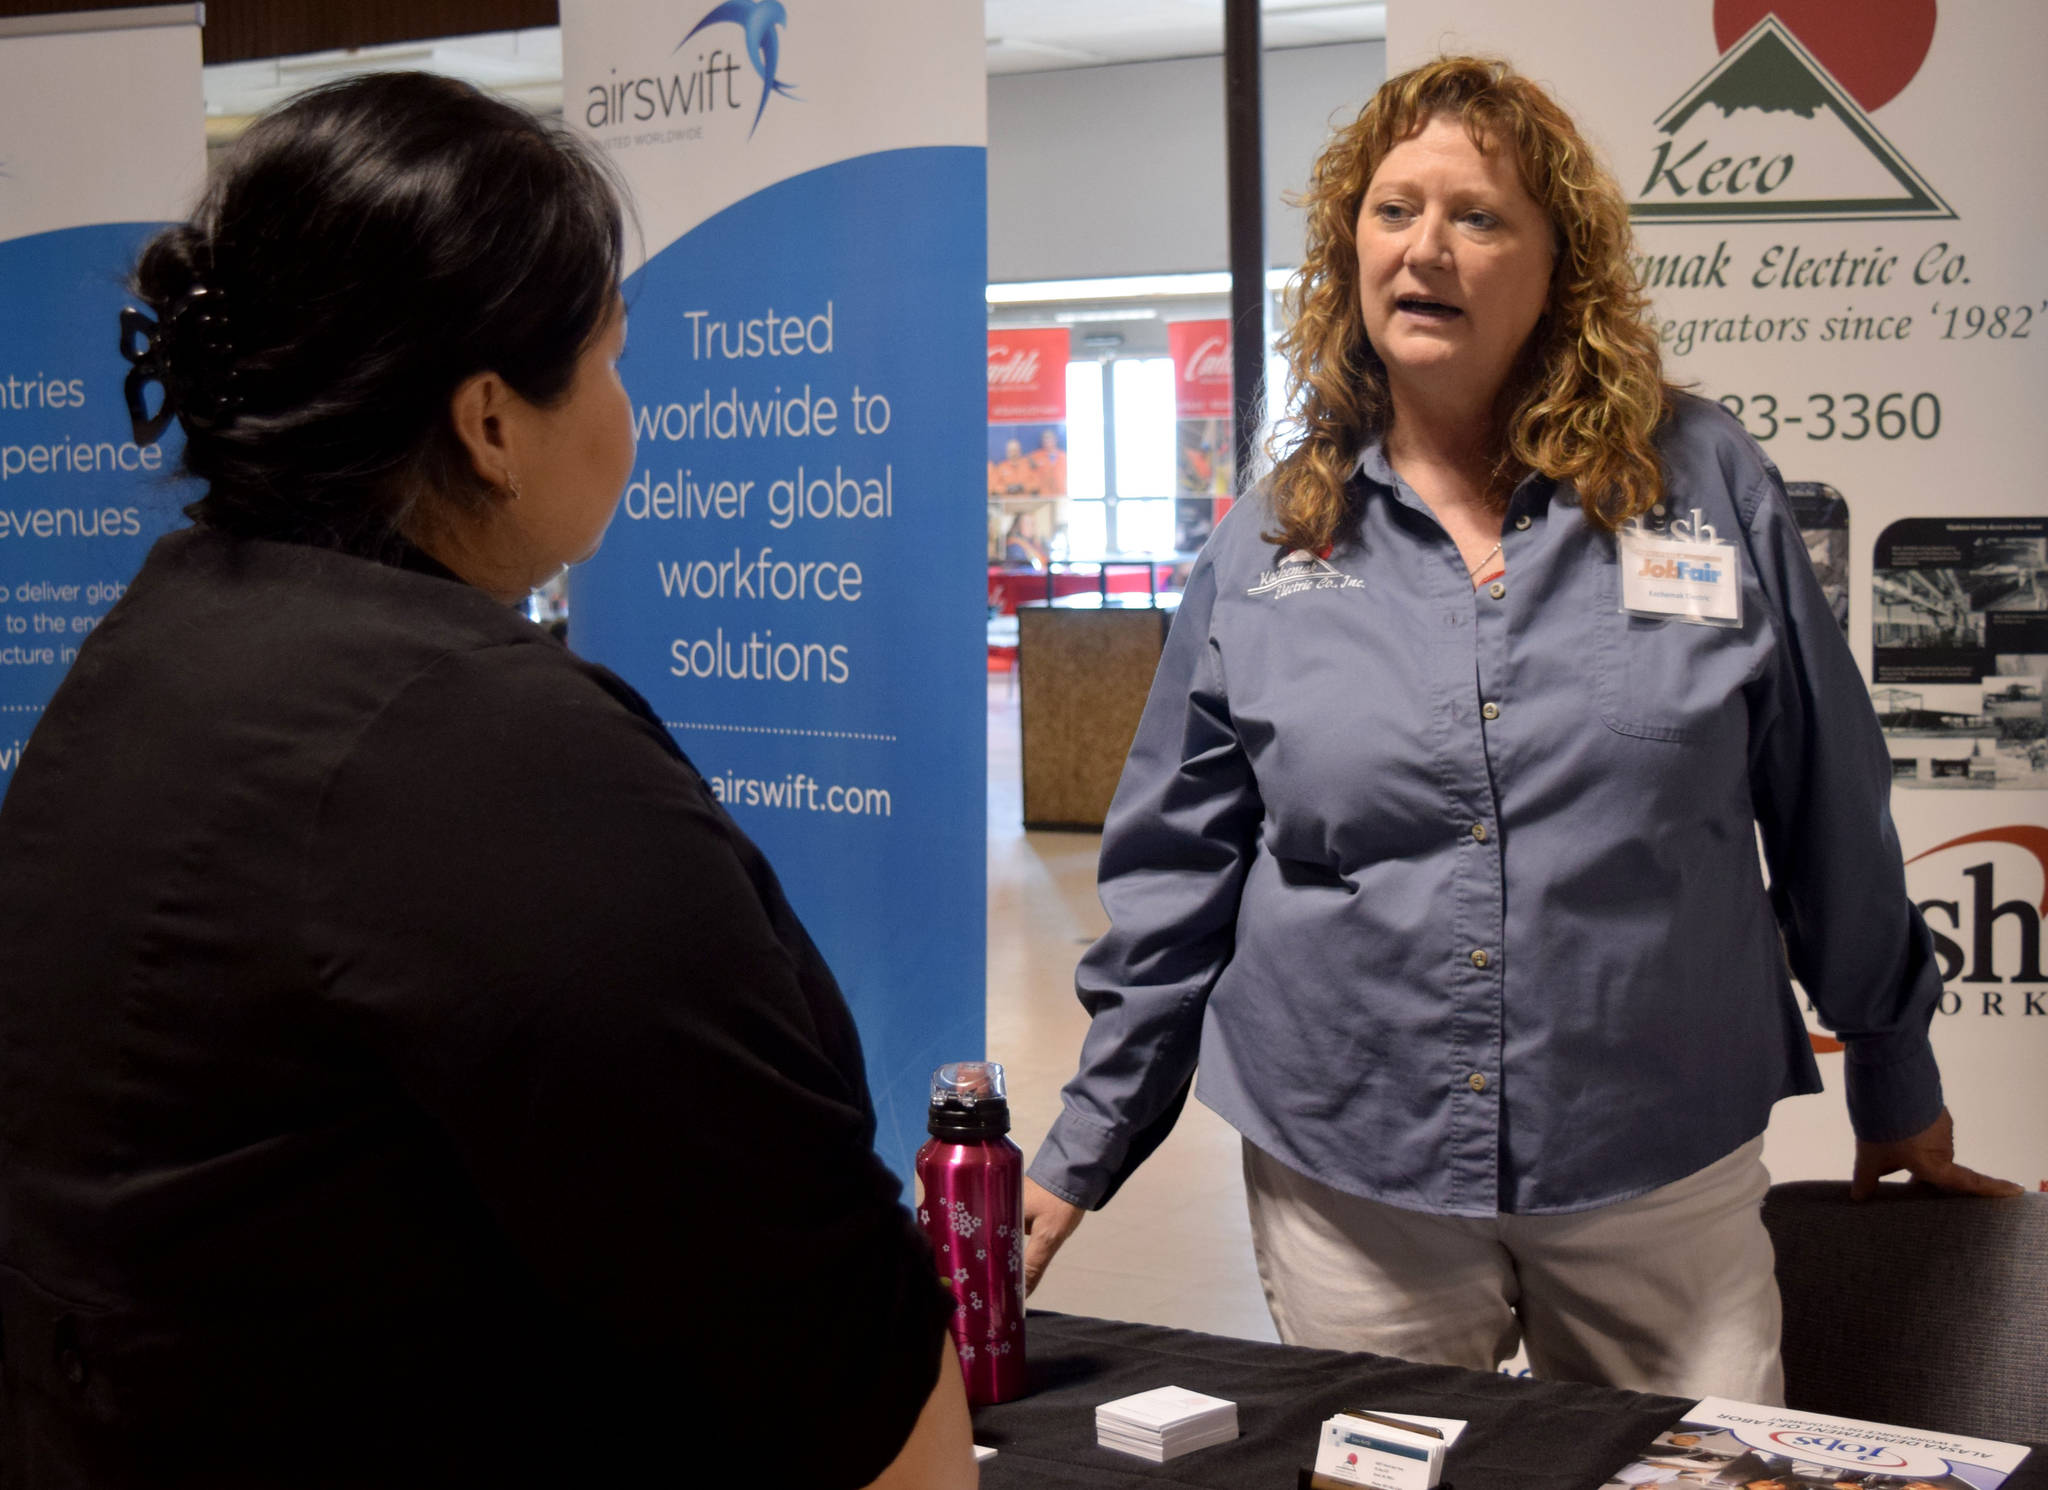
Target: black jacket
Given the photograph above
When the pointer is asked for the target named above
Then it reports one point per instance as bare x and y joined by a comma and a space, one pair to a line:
409, 1073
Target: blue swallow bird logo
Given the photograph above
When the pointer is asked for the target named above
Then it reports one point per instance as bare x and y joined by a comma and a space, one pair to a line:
758, 18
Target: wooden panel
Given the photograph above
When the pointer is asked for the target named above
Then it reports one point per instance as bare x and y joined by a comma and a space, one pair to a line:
1083, 676
246, 30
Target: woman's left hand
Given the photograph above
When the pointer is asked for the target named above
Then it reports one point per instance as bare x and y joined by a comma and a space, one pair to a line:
1928, 1156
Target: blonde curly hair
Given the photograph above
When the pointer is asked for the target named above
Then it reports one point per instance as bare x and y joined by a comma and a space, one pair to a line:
1588, 393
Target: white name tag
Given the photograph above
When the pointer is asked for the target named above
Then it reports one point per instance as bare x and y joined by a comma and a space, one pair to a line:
1693, 580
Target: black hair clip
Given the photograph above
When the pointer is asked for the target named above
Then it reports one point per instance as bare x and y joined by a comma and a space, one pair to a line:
189, 355
147, 369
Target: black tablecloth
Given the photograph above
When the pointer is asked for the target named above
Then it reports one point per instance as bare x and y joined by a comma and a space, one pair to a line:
1524, 1435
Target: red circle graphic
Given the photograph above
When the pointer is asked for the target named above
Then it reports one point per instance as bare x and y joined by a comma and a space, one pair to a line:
1873, 48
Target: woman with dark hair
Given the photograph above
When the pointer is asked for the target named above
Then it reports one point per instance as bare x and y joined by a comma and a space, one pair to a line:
408, 1072
1437, 844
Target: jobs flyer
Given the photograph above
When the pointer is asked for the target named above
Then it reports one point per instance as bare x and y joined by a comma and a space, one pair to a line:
1827, 224
794, 578
80, 501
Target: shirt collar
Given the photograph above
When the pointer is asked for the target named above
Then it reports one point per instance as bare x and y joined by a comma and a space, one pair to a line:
1372, 462
1532, 494
1373, 465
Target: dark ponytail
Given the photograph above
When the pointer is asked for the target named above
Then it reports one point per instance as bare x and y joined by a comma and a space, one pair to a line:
360, 253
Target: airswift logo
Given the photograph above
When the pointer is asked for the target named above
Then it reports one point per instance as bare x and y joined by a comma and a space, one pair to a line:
674, 104
1773, 134
758, 18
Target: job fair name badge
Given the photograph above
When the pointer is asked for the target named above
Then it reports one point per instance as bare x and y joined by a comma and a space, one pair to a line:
1692, 578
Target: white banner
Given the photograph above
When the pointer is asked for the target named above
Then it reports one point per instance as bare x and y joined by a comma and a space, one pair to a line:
102, 138
794, 579
1836, 210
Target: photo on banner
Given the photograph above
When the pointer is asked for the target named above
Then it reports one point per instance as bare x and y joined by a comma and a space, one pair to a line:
792, 579
1205, 456
1961, 615
1825, 221
1027, 445
80, 501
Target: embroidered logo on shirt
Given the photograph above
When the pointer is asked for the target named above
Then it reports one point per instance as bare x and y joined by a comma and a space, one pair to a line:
1302, 570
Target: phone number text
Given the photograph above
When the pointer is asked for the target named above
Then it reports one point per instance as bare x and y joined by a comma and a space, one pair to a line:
1838, 416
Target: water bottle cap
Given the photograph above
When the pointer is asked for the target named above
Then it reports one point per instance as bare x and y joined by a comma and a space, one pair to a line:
968, 1083
969, 1101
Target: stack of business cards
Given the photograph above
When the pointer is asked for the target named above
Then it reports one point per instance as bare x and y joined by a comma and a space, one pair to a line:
1389, 1451
1164, 1423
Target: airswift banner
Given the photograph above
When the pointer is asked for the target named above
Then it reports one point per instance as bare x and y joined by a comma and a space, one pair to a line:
102, 137
1824, 195
794, 579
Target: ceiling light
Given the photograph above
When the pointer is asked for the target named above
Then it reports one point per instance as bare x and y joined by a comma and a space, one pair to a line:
1130, 287
1127, 313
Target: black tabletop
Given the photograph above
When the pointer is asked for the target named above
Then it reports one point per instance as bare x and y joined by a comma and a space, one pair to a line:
1524, 1435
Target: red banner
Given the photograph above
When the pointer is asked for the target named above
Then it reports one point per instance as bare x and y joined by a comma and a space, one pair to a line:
1027, 376
1201, 368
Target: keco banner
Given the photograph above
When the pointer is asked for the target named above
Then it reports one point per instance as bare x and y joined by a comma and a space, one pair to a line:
1204, 475
792, 578
1825, 213
102, 137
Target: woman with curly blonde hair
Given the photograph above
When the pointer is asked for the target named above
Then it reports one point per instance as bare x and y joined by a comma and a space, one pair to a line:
1584, 397
1435, 849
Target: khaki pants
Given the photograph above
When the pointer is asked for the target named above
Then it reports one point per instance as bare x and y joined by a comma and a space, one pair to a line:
1672, 1291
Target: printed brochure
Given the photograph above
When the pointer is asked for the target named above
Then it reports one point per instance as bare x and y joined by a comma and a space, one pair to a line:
1740, 1445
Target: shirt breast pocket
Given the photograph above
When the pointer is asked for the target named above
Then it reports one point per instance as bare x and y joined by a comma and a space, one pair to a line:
1660, 678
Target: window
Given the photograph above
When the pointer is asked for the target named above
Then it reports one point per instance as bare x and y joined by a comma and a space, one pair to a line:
1142, 391
1085, 466
1125, 463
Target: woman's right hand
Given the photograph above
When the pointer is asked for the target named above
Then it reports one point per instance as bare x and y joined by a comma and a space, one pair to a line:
1048, 1222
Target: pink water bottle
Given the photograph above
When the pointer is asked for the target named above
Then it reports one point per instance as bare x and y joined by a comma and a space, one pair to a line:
970, 1182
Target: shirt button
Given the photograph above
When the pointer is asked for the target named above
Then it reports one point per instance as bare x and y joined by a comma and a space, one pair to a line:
1522, 521
1497, 591
1489, 711
1479, 957
1479, 832
1476, 1081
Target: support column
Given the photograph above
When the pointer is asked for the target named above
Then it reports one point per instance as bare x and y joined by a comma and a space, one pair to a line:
1247, 186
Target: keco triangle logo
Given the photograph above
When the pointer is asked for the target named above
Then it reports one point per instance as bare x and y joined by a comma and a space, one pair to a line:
1771, 134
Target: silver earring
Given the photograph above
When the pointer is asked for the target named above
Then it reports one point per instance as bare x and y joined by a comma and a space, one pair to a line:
512, 485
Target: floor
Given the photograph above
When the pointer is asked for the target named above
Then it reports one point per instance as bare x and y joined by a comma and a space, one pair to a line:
1173, 1247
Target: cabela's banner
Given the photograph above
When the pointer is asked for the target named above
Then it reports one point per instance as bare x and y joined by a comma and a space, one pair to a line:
1204, 474
1831, 216
793, 579
1027, 413
102, 138
1027, 445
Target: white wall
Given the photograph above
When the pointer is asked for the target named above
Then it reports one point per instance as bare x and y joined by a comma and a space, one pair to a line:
1120, 170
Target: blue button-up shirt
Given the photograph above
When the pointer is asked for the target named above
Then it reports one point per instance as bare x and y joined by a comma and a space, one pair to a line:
1454, 895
